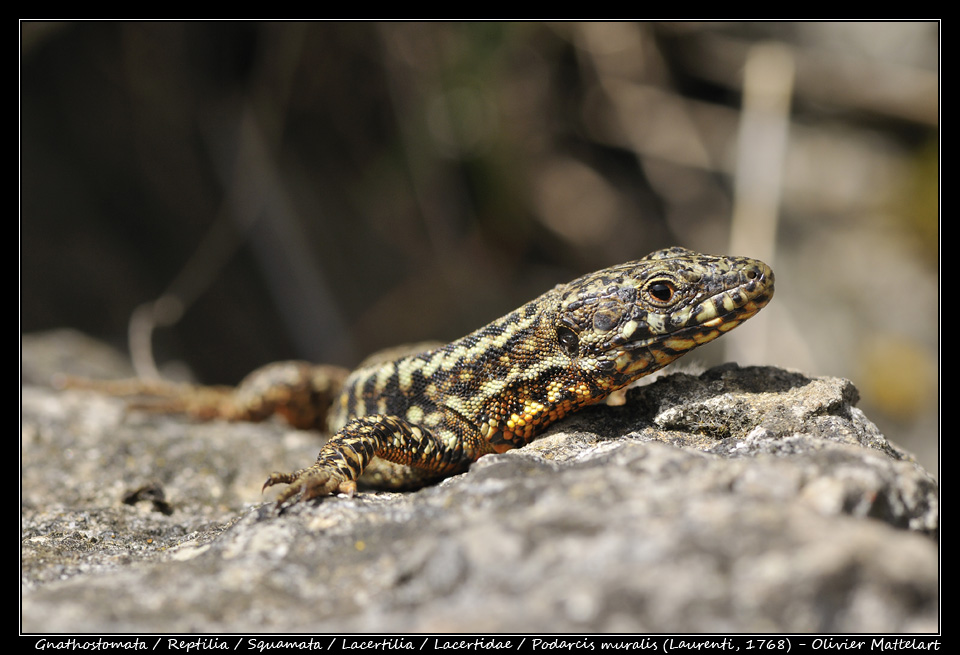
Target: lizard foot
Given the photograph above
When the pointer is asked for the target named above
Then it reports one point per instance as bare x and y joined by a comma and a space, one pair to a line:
310, 483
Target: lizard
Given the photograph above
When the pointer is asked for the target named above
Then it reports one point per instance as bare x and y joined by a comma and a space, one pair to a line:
433, 412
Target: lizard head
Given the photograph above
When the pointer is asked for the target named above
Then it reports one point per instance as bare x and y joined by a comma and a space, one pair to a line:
627, 321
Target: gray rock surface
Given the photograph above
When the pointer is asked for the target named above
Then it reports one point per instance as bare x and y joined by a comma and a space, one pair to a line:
739, 500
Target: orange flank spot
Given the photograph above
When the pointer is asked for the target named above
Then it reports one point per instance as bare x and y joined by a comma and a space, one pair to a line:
579, 390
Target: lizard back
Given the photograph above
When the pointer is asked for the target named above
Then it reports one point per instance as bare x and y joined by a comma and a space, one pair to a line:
570, 347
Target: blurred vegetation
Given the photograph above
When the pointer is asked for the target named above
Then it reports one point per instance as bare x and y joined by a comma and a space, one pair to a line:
322, 190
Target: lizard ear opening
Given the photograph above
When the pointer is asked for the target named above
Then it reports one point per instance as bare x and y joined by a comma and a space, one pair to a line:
608, 316
568, 340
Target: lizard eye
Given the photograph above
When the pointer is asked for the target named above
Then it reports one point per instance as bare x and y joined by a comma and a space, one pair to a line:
661, 291
568, 340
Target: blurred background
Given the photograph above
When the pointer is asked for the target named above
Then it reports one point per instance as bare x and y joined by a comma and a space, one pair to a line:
217, 196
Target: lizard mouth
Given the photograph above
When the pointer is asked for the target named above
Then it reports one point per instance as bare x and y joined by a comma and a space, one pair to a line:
740, 295
734, 298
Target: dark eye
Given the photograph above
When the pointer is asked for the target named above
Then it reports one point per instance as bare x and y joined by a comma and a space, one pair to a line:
569, 340
662, 290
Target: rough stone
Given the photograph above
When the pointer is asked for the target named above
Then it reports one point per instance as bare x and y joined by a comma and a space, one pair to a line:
739, 500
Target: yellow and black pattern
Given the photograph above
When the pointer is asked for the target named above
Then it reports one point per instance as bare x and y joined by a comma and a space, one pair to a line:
435, 412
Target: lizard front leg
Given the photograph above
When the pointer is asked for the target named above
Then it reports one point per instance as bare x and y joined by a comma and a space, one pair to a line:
343, 459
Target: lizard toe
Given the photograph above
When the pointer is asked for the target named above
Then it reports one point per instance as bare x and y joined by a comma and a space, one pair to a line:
310, 483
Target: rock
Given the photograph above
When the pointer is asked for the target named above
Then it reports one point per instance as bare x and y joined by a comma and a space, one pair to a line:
739, 500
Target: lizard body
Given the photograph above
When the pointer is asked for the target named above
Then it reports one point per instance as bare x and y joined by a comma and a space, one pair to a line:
436, 412
432, 413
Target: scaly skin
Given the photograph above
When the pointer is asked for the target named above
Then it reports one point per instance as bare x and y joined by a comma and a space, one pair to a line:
433, 413
436, 412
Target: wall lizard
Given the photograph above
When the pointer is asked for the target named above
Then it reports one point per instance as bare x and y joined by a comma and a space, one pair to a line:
432, 413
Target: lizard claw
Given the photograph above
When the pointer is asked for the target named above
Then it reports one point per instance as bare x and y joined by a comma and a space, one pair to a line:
281, 478
310, 483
